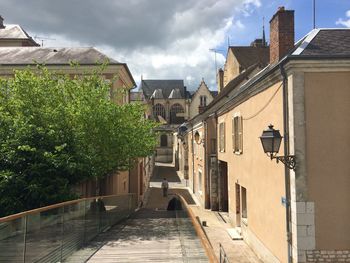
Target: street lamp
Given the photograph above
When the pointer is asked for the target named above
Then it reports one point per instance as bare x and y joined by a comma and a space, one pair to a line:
271, 141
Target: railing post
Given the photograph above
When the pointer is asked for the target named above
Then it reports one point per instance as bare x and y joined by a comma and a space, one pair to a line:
62, 231
84, 229
25, 239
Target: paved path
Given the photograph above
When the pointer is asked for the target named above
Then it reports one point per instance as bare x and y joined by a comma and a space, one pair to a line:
152, 234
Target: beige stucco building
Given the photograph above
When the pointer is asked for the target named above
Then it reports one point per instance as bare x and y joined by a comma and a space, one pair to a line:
284, 214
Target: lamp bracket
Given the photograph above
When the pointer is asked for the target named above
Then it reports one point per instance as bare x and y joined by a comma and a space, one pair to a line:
289, 160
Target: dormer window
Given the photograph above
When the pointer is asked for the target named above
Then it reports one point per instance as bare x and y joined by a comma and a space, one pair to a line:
203, 101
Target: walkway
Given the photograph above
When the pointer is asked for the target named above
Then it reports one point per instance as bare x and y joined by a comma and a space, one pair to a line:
152, 234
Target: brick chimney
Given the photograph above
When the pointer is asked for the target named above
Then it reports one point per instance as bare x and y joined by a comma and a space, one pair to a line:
220, 79
281, 34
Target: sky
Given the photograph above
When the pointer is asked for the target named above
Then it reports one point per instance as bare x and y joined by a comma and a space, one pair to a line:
165, 39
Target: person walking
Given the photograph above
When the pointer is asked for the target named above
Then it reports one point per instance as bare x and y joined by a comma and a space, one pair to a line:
165, 186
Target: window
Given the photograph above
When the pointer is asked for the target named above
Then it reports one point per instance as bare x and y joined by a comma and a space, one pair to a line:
213, 146
164, 140
237, 134
158, 110
222, 137
244, 203
200, 181
176, 114
203, 101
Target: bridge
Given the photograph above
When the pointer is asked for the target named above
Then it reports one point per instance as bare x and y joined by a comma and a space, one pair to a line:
107, 229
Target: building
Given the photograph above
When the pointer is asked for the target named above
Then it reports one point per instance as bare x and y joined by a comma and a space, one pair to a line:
14, 36
200, 99
168, 104
241, 58
59, 60
284, 214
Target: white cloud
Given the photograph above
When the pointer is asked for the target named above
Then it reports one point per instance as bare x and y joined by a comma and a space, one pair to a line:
157, 39
346, 22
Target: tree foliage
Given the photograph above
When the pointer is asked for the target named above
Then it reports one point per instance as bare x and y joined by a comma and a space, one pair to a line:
57, 130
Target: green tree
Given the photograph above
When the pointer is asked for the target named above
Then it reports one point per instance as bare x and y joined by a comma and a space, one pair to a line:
57, 131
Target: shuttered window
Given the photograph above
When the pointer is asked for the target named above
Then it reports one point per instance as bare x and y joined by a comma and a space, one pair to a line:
237, 134
222, 137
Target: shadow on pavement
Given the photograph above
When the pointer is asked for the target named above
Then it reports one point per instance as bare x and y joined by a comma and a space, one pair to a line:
169, 173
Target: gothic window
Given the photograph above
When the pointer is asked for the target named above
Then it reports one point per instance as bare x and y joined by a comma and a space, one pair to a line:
177, 114
158, 110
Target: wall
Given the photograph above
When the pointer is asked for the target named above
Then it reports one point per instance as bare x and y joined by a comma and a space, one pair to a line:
265, 227
231, 69
327, 114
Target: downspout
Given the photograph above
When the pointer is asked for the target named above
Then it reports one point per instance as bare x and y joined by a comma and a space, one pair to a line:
286, 153
192, 158
206, 167
218, 171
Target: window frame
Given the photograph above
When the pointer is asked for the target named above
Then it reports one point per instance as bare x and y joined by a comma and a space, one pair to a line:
222, 137
237, 134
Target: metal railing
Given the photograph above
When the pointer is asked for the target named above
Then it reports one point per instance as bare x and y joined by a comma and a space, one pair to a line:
223, 256
52, 233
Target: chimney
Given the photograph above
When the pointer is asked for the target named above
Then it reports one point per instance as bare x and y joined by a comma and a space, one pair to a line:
1, 22
220, 77
281, 34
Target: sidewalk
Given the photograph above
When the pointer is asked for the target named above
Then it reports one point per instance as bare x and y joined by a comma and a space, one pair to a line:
237, 251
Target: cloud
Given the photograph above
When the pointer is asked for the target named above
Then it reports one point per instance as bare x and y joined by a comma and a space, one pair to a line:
158, 38
345, 23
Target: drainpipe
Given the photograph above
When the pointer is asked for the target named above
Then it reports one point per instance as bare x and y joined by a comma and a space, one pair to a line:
286, 153
206, 146
218, 171
192, 158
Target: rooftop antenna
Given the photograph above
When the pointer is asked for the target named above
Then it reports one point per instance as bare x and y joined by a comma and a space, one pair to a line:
216, 66
314, 14
228, 41
263, 37
42, 39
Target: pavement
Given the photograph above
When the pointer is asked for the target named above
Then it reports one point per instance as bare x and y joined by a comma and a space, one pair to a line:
217, 223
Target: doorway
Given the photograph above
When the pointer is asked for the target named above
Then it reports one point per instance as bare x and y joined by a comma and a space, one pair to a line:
238, 205
223, 201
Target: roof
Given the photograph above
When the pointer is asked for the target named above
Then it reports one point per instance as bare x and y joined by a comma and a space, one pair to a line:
15, 32
325, 42
175, 94
202, 84
136, 96
250, 55
320, 43
52, 56
214, 93
166, 86
223, 96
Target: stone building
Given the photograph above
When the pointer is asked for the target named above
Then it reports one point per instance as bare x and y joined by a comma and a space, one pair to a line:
296, 209
14, 36
168, 103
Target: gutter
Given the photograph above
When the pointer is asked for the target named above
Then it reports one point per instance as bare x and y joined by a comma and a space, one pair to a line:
286, 153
